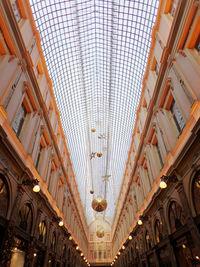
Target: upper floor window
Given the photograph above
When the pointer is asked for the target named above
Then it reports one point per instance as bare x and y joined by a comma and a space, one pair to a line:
16, 10
32, 45
4, 198
159, 154
173, 6
19, 119
178, 117
157, 68
12, 89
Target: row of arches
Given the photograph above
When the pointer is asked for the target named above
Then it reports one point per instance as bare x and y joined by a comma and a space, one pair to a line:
49, 239
175, 226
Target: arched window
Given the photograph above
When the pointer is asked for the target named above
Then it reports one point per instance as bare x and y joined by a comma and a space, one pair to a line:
53, 241
64, 251
26, 218
158, 231
68, 255
132, 253
196, 192
4, 197
176, 217
148, 241
42, 231
136, 250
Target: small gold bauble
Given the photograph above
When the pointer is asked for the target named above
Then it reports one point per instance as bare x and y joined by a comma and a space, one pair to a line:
93, 130
99, 154
100, 233
99, 204
91, 191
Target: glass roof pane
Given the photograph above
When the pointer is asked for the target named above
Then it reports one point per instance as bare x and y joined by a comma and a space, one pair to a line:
96, 53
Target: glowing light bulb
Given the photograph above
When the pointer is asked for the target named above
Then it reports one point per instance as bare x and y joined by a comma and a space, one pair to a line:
61, 223
36, 188
163, 185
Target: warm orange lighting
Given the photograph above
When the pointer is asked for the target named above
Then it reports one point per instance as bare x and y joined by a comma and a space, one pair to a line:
183, 246
81, 254
77, 247
123, 247
139, 222
130, 237
34, 254
70, 238
118, 253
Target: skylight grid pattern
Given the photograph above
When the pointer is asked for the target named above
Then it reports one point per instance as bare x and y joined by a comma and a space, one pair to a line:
96, 53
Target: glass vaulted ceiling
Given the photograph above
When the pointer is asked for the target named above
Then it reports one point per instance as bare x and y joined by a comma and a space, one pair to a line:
96, 53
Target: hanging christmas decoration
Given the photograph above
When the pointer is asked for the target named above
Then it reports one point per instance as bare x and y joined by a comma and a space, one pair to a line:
99, 154
99, 204
93, 130
106, 177
92, 155
102, 136
91, 191
100, 232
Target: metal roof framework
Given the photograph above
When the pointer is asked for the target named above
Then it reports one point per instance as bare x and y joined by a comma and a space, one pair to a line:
96, 53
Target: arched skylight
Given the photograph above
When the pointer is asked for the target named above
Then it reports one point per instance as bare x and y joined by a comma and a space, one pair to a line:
96, 53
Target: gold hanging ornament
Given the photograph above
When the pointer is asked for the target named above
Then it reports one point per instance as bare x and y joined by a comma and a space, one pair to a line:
91, 191
93, 130
100, 232
99, 204
99, 154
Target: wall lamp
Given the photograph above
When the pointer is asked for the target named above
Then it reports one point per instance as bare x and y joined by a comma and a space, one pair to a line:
34, 183
164, 180
58, 220
142, 219
130, 237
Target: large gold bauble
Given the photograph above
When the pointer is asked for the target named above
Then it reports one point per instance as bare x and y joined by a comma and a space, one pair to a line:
100, 233
99, 204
